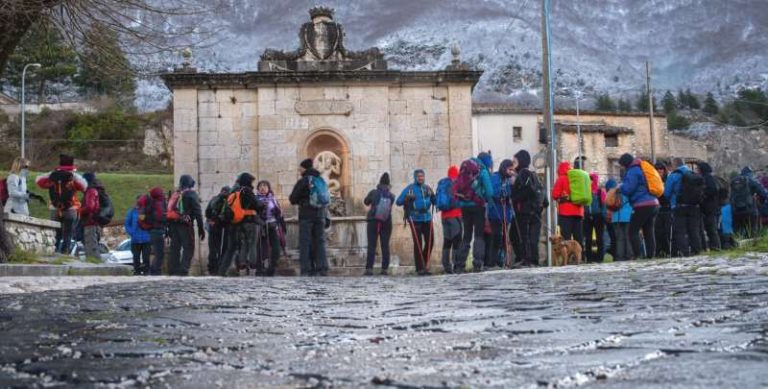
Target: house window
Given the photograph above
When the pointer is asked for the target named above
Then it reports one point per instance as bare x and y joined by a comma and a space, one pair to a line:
517, 133
611, 140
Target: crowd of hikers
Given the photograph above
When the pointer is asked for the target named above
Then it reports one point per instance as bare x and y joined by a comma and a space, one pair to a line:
649, 210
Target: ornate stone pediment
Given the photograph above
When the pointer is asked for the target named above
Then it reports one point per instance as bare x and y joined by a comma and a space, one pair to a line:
321, 49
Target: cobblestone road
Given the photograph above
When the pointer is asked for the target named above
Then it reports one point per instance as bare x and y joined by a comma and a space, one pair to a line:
699, 322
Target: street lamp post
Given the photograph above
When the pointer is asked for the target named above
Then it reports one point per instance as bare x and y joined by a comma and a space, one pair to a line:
23, 105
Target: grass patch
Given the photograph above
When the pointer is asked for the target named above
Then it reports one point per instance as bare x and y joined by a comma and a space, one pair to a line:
93, 260
23, 257
757, 245
122, 188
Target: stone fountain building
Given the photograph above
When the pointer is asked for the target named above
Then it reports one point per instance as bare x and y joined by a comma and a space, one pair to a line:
345, 109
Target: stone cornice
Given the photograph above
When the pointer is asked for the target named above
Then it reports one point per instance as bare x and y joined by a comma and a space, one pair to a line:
178, 80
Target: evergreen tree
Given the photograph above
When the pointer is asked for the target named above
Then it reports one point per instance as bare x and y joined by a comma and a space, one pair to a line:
691, 100
676, 121
710, 105
624, 105
752, 104
669, 103
605, 103
682, 99
105, 69
44, 45
642, 102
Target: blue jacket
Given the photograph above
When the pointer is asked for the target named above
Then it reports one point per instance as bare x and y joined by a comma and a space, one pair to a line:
420, 210
726, 220
132, 227
624, 214
501, 191
485, 183
674, 184
634, 186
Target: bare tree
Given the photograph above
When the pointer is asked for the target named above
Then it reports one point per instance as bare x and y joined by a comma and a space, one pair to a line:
144, 26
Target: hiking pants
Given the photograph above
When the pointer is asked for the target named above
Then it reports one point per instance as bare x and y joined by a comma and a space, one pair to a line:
231, 250
378, 232
423, 241
530, 234
312, 246
216, 247
745, 224
269, 249
623, 245
594, 223
452, 236
711, 222
91, 236
141, 252
182, 248
571, 228
687, 229
612, 237
157, 239
664, 233
643, 218
68, 220
474, 227
496, 254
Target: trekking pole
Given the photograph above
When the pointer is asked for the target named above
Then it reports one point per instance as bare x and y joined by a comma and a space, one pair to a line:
430, 241
416, 240
507, 256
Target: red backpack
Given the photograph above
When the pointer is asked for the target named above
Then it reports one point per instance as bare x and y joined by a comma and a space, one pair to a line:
3, 191
465, 182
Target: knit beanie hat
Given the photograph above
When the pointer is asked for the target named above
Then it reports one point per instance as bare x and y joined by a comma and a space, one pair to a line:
306, 164
626, 159
384, 179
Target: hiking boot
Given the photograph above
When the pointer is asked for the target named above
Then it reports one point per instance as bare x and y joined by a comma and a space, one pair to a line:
384, 272
368, 272
425, 273
322, 273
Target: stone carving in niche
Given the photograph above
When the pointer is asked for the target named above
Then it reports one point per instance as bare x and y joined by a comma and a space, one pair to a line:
330, 167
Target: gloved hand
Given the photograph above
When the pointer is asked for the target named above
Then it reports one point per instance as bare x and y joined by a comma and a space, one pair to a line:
201, 234
409, 198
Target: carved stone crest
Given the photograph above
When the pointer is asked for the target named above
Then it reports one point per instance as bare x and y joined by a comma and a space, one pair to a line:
322, 38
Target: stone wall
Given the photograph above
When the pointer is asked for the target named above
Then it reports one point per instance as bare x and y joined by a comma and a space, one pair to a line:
32, 234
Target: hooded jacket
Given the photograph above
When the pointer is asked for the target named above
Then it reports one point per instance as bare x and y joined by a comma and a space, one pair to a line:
484, 180
502, 194
79, 184
562, 191
674, 184
711, 204
191, 201
138, 235
755, 189
300, 196
373, 197
524, 197
271, 212
634, 186
453, 173
420, 208
598, 196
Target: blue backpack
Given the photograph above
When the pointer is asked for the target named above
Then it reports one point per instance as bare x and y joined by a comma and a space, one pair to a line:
319, 196
446, 198
597, 207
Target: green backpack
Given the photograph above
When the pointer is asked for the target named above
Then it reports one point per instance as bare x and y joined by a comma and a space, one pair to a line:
581, 187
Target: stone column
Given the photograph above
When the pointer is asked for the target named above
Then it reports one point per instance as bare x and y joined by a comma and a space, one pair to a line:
460, 122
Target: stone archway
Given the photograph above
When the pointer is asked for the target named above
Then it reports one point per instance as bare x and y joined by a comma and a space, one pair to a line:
330, 152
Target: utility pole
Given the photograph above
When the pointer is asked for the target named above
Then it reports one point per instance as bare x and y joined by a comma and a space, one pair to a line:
650, 109
549, 121
578, 130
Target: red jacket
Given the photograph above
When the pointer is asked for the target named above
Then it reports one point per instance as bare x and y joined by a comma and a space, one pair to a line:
78, 184
453, 172
562, 192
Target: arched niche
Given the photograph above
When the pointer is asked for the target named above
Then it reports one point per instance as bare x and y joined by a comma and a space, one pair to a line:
324, 140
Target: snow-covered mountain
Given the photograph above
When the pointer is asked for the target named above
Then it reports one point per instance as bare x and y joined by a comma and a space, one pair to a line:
598, 45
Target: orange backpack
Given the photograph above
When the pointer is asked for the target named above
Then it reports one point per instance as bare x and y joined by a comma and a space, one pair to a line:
236, 205
613, 200
175, 207
652, 178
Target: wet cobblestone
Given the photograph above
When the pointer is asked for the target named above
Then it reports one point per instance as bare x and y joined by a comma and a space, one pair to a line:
683, 323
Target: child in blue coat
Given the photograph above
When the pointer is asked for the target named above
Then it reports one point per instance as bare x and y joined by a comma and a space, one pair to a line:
140, 242
620, 222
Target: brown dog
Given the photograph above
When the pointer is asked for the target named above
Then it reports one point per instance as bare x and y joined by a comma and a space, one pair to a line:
565, 251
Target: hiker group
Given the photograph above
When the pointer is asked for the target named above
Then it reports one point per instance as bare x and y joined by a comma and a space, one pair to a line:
651, 210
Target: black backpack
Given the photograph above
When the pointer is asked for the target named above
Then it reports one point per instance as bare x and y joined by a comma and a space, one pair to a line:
106, 208
62, 191
692, 189
741, 195
723, 191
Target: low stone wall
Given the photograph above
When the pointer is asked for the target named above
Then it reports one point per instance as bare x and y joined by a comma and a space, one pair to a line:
32, 234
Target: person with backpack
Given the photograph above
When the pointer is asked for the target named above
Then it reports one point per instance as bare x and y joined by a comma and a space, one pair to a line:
140, 240
272, 238
620, 221
529, 200
645, 206
63, 184
502, 215
594, 222
184, 211
744, 188
95, 213
450, 214
663, 227
243, 208
570, 216
417, 200
685, 191
379, 224
215, 224
152, 218
475, 192
710, 207
311, 195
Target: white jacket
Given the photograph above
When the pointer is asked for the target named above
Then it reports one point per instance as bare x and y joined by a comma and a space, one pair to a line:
17, 195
